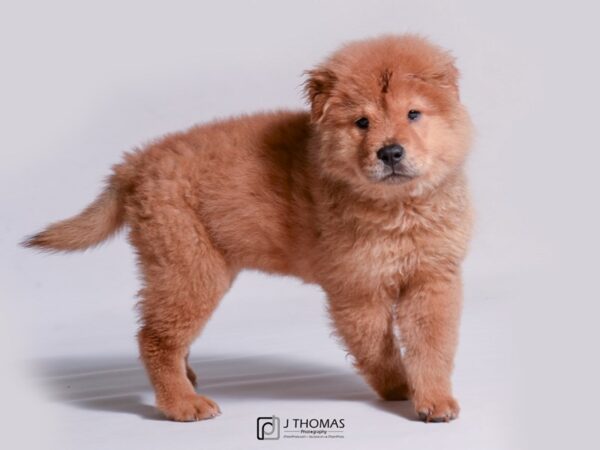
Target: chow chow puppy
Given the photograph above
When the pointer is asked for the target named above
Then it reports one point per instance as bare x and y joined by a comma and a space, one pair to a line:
364, 194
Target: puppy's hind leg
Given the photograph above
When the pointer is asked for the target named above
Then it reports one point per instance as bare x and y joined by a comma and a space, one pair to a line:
190, 372
185, 277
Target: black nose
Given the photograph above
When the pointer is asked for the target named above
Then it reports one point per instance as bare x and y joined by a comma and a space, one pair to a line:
391, 154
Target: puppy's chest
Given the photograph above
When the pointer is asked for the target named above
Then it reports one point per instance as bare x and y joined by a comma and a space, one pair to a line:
386, 258
386, 253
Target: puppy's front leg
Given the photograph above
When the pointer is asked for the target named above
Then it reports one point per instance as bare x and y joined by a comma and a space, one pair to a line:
364, 322
428, 315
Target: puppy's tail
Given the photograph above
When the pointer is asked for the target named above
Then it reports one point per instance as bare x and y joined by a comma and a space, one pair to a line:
97, 222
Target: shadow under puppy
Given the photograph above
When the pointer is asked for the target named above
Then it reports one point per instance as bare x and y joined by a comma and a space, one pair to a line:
364, 195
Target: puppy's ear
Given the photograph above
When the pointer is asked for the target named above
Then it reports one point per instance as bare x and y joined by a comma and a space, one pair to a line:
446, 76
318, 87
443, 74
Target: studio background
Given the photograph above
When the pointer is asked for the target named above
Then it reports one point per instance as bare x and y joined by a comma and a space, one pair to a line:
83, 82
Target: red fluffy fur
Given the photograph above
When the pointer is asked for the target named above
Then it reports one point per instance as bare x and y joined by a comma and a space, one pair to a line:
304, 194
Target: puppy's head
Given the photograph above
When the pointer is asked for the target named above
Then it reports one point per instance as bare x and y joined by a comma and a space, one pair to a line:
388, 115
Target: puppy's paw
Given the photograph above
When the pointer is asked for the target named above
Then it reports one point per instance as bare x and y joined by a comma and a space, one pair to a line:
190, 408
437, 409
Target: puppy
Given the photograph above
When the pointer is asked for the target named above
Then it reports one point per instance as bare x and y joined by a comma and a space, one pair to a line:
364, 194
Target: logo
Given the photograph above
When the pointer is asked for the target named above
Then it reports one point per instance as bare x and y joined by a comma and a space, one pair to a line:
268, 428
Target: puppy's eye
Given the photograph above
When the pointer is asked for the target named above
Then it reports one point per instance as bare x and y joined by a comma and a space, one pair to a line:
362, 123
413, 115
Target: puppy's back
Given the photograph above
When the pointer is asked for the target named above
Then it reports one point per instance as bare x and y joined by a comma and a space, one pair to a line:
244, 177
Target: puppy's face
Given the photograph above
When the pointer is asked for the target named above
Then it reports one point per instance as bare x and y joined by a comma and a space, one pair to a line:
388, 114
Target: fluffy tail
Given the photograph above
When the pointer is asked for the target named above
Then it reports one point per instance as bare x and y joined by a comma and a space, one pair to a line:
93, 225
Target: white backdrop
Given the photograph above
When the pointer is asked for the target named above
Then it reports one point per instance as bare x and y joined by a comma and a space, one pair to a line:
81, 83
